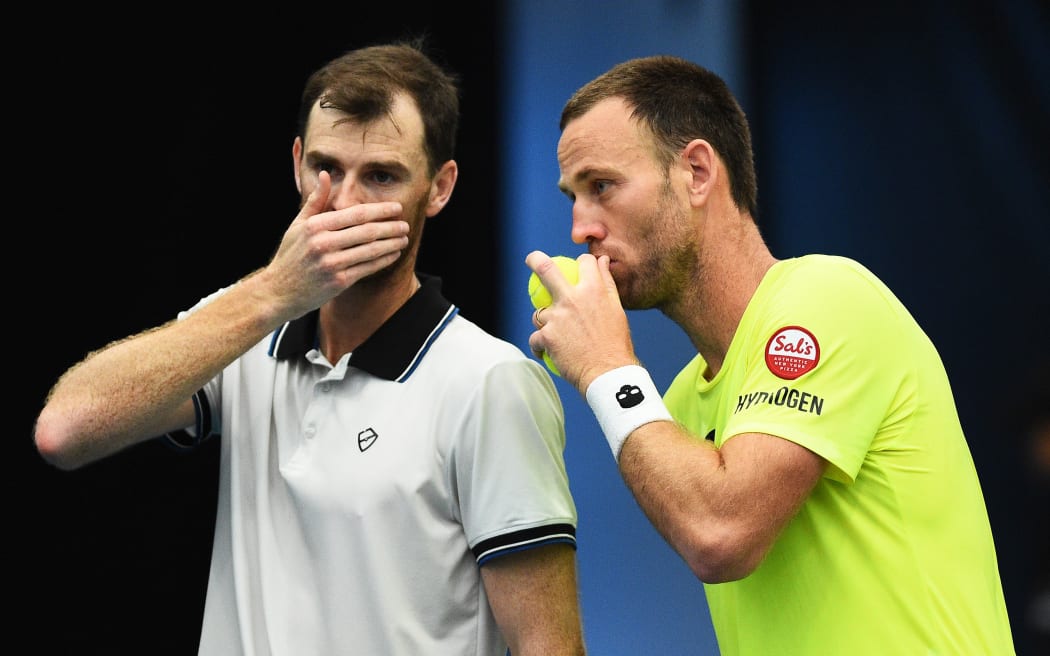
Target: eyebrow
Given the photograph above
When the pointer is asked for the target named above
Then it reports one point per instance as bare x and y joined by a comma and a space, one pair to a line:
583, 175
388, 164
315, 157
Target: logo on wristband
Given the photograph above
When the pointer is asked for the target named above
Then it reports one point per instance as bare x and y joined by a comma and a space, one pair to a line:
629, 396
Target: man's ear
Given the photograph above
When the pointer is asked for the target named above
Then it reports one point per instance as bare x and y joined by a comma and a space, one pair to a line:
297, 157
701, 162
441, 187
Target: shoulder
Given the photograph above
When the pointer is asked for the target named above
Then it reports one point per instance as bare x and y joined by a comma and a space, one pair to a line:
464, 336
203, 301
466, 352
821, 267
829, 281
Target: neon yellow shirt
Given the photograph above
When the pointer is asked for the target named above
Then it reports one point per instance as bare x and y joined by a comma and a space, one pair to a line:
892, 553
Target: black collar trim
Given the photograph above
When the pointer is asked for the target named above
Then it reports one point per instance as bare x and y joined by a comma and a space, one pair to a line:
395, 350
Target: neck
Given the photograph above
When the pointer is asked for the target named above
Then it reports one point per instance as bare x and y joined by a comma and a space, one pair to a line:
350, 318
729, 272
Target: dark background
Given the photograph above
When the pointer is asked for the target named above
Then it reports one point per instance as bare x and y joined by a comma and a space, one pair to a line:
157, 163
915, 137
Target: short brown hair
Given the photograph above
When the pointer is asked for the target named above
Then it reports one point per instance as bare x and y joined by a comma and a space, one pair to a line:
679, 101
363, 83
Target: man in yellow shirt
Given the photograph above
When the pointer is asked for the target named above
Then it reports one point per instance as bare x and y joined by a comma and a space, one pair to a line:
808, 464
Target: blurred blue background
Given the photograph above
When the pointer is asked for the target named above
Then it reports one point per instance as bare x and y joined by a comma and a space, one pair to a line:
912, 136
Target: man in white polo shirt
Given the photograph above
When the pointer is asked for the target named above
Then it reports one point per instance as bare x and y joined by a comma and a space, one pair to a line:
392, 477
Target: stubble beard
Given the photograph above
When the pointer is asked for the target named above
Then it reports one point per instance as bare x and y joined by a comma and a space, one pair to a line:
416, 219
666, 262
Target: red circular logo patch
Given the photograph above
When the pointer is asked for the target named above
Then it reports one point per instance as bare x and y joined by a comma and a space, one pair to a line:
791, 352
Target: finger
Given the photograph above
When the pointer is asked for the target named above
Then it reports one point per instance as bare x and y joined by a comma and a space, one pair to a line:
548, 272
318, 198
361, 214
537, 345
602, 265
368, 240
536, 320
535, 258
589, 266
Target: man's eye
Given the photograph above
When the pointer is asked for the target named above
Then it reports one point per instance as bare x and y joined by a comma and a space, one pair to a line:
326, 167
382, 177
601, 186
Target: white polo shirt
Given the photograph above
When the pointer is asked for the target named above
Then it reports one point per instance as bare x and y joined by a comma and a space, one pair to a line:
357, 499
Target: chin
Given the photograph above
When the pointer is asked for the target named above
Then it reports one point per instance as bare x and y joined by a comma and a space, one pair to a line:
382, 276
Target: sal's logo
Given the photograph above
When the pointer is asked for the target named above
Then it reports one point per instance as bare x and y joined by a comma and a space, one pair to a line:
791, 352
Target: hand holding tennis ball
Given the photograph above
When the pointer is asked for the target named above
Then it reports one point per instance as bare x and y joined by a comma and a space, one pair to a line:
541, 297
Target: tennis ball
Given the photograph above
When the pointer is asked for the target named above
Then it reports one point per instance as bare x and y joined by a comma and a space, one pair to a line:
550, 364
541, 298
538, 294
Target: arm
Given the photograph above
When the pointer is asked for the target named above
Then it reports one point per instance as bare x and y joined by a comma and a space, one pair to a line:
532, 594
141, 387
720, 509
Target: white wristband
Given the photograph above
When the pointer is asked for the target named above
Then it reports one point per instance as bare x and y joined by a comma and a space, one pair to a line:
622, 400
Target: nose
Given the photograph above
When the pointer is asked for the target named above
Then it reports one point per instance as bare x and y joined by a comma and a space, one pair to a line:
344, 194
586, 224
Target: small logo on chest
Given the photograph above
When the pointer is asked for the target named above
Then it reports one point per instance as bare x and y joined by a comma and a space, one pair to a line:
366, 438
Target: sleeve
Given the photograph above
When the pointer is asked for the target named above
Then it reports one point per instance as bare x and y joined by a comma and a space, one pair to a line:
821, 367
203, 428
206, 424
509, 465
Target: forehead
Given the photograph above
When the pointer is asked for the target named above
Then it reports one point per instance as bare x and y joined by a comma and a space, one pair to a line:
399, 132
605, 137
